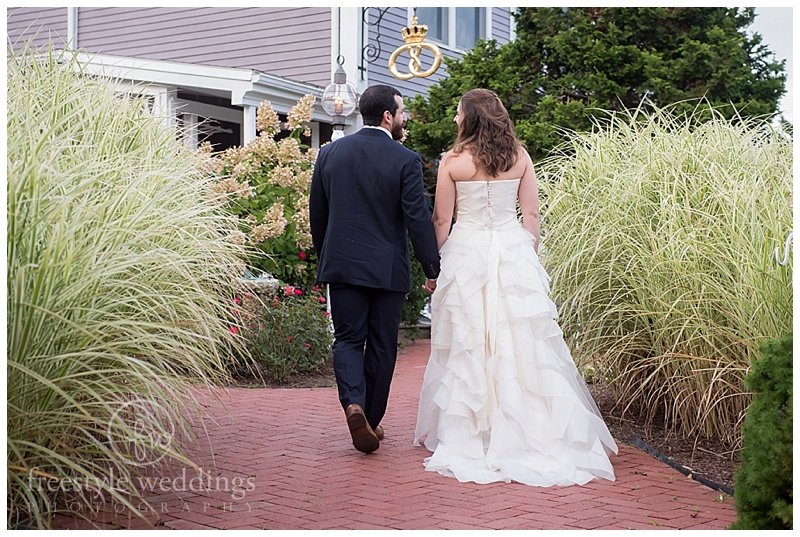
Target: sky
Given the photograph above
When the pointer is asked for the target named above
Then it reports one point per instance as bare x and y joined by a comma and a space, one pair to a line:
775, 26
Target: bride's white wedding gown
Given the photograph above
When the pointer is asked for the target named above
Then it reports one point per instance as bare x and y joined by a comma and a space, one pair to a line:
501, 398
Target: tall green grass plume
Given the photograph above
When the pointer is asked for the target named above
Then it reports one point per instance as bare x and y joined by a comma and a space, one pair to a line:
659, 234
121, 278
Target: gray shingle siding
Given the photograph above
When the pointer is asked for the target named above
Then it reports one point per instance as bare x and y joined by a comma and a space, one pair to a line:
292, 42
501, 24
36, 24
289, 42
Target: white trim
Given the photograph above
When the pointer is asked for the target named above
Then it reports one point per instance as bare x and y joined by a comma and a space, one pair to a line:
72, 28
334, 37
350, 49
346, 18
246, 86
314, 133
352, 55
512, 24
190, 137
184, 106
452, 15
248, 124
165, 107
363, 39
489, 17
163, 98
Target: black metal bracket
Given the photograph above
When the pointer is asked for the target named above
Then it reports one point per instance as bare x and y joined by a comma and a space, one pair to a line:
370, 52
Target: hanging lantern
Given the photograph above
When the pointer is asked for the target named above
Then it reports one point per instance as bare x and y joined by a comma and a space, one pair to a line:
339, 100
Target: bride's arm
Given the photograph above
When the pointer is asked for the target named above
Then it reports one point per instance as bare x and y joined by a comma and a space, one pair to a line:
529, 201
444, 205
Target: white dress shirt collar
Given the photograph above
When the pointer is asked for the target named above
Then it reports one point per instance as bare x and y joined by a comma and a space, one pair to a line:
389, 134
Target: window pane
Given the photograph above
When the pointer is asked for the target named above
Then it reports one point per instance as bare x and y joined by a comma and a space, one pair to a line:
435, 18
470, 26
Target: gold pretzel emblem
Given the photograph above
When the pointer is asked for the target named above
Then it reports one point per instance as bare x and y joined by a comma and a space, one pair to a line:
414, 37
414, 64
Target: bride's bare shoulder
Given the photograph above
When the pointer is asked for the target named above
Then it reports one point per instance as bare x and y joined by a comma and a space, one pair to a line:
523, 158
452, 157
460, 164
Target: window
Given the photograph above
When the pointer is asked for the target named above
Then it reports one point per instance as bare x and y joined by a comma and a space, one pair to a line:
470, 26
435, 18
457, 28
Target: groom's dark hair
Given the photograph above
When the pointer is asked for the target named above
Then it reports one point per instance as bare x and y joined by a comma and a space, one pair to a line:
375, 101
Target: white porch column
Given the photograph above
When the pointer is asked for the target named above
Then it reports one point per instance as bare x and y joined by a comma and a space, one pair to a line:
315, 134
72, 28
190, 130
348, 20
249, 124
164, 106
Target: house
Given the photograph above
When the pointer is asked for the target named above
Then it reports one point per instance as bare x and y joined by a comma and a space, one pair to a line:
207, 69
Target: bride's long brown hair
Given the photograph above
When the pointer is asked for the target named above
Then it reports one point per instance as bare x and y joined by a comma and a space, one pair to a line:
487, 131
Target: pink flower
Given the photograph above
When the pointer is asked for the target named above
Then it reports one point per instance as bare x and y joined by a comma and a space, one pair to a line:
326, 314
302, 255
322, 300
298, 291
306, 346
237, 300
233, 330
289, 291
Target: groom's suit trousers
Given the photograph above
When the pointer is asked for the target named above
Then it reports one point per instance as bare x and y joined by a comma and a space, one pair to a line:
365, 322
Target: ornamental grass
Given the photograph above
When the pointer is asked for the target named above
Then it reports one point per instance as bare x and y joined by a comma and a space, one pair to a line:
120, 281
660, 232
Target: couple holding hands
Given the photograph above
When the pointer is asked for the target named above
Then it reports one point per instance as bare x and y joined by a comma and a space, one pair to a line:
501, 398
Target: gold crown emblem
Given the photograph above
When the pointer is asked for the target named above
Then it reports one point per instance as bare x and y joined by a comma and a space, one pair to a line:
415, 33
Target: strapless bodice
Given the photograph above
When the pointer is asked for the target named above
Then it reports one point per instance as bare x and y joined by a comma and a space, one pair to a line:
487, 204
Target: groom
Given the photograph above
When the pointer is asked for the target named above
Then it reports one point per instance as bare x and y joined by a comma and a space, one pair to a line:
366, 191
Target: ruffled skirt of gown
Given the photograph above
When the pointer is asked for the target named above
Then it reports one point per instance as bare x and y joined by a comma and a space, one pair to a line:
501, 398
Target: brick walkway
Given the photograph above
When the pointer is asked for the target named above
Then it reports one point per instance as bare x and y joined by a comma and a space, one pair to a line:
290, 452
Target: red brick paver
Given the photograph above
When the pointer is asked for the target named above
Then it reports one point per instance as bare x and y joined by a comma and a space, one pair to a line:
282, 459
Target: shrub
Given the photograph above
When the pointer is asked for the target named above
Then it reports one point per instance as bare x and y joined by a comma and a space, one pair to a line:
268, 181
659, 233
120, 272
288, 331
763, 491
417, 296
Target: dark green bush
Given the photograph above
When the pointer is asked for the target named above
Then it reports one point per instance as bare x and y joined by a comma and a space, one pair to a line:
763, 483
417, 296
288, 331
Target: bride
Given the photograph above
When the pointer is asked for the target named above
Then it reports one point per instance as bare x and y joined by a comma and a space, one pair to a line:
501, 398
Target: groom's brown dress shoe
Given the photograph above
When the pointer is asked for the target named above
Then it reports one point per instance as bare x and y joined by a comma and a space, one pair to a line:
364, 438
379, 432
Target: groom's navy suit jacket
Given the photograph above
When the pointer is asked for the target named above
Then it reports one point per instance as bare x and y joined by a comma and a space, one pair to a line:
366, 191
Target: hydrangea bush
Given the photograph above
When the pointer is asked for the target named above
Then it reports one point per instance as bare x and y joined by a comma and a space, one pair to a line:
266, 183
